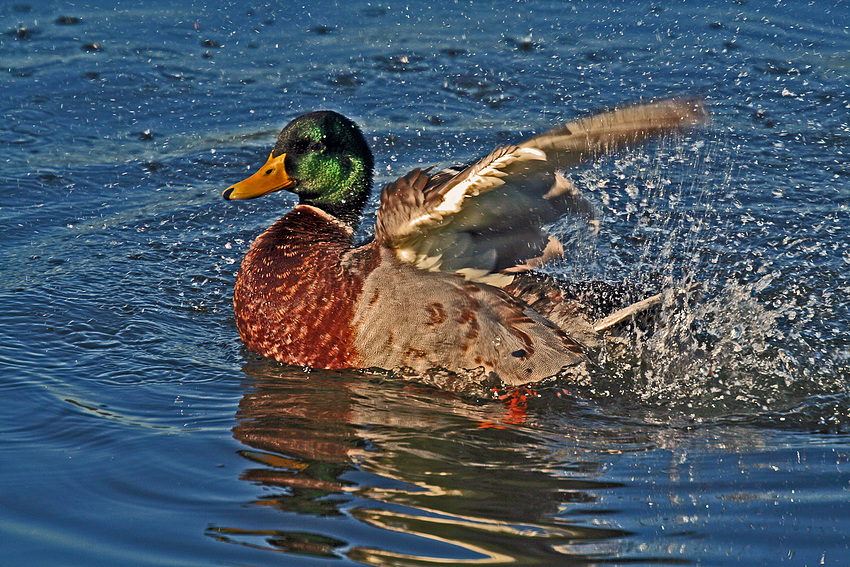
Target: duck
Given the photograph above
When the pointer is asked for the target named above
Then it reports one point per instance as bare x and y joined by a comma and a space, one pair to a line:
449, 289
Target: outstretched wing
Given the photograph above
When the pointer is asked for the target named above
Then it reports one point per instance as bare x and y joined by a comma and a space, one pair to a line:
606, 132
485, 220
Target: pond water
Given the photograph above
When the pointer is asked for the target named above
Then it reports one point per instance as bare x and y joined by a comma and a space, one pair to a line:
136, 430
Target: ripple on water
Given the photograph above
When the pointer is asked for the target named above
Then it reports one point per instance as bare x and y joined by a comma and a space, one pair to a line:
27, 126
410, 466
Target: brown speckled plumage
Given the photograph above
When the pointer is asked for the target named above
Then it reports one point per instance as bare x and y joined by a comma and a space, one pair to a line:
418, 320
293, 296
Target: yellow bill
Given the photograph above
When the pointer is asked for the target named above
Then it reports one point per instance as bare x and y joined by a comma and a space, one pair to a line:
271, 177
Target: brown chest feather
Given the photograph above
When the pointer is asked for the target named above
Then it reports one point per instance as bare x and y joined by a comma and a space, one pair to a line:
296, 290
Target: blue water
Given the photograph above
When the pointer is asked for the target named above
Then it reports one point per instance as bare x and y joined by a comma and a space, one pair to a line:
135, 429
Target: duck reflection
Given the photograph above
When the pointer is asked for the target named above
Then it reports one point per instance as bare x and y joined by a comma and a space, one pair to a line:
387, 473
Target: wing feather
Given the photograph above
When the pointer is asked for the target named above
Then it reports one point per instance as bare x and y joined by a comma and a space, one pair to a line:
570, 143
488, 217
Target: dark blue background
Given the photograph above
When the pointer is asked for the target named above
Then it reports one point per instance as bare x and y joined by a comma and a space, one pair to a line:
135, 429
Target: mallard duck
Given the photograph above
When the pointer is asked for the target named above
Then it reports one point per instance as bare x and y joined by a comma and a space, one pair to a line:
447, 284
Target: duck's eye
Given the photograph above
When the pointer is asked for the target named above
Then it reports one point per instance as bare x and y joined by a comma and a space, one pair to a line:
317, 147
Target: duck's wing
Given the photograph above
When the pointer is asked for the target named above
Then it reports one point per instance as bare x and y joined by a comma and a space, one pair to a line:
606, 132
485, 220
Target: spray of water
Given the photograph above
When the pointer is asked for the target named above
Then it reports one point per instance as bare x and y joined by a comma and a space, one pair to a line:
672, 217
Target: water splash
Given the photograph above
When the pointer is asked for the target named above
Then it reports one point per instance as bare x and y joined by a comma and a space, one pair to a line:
750, 339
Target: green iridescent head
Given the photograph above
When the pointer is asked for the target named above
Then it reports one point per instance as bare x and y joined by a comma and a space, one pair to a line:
324, 159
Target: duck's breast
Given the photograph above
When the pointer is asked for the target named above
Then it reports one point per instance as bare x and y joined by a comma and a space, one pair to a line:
297, 289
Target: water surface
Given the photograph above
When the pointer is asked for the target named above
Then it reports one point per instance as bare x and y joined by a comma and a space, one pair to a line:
137, 431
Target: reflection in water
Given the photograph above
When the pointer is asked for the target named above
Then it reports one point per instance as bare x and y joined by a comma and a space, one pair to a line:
427, 470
